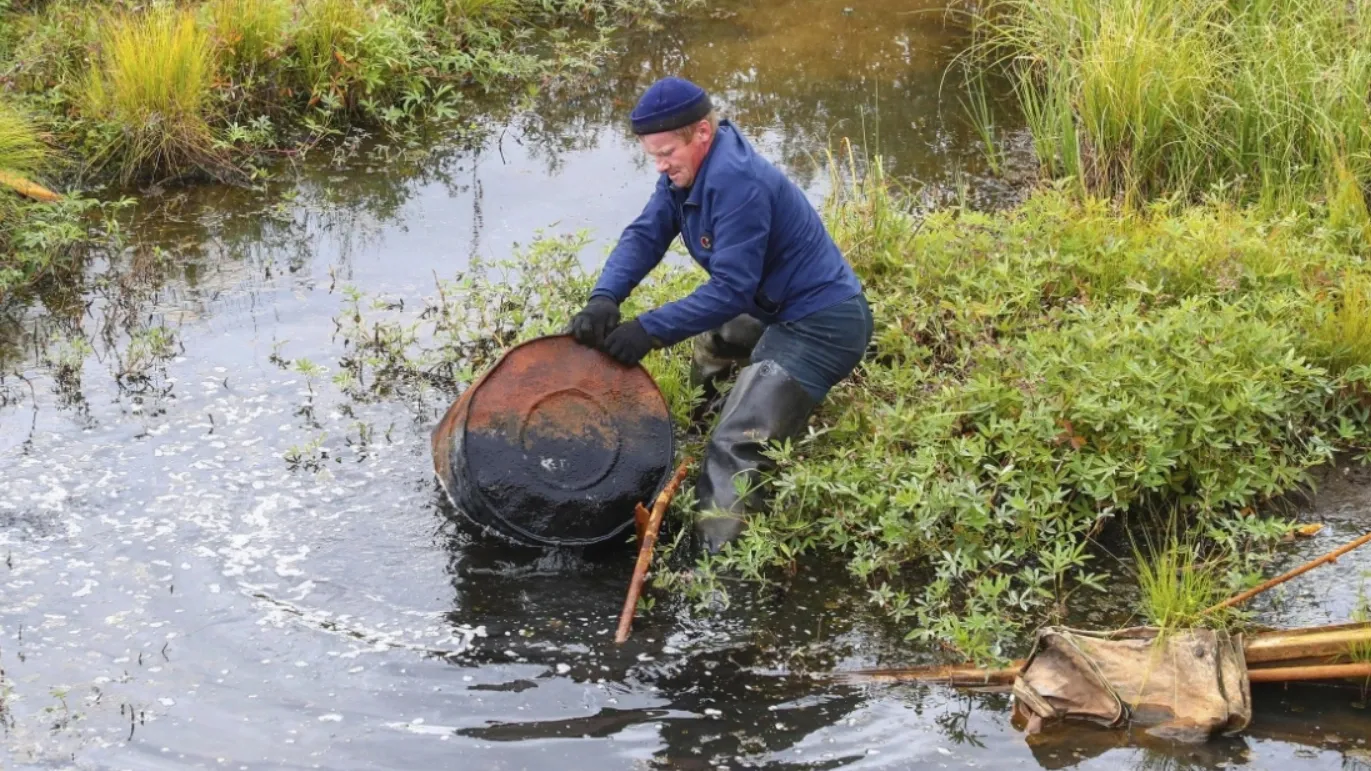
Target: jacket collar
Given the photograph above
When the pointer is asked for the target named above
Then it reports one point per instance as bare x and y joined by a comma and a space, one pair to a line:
696, 191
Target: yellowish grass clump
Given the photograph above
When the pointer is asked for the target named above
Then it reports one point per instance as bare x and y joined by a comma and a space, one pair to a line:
151, 82
21, 151
1342, 336
248, 33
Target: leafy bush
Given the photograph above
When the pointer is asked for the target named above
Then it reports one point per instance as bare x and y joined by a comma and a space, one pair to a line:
1041, 372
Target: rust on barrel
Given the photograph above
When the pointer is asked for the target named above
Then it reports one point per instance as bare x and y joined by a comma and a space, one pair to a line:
555, 444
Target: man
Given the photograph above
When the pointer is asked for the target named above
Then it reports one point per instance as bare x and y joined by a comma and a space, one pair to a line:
780, 295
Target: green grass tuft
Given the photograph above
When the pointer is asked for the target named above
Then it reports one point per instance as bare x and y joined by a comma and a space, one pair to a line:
1360, 652
1341, 337
327, 40
1179, 580
456, 12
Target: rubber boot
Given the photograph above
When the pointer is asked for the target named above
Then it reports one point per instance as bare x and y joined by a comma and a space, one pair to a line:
766, 405
718, 352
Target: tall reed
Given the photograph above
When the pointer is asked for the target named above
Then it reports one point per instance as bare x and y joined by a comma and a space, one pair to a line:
1262, 101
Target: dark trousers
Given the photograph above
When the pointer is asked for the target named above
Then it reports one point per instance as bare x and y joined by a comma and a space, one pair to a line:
789, 368
818, 350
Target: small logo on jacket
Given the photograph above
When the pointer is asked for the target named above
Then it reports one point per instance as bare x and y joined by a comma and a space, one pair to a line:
706, 241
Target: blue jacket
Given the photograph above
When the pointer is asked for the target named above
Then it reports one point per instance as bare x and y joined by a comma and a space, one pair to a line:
762, 243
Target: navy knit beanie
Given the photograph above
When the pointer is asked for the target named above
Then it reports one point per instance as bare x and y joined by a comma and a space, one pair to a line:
670, 103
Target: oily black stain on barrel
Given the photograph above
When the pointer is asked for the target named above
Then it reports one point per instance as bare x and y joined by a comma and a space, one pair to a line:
555, 444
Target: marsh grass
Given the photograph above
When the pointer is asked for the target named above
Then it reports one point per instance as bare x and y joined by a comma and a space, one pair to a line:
45, 48
248, 34
151, 84
326, 41
1341, 335
151, 91
21, 150
456, 13
1261, 101
1179, 577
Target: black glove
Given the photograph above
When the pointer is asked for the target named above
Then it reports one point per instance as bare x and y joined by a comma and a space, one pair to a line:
594, 323
629, 343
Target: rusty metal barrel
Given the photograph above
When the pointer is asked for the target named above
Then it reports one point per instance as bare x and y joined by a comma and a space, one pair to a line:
555, 444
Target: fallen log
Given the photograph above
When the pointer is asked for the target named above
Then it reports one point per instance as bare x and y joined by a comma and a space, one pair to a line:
647, 542
1264, 652
28, 188
1298, 674
1286, 645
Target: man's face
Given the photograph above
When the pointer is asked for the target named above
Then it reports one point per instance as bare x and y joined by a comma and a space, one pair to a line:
678, 158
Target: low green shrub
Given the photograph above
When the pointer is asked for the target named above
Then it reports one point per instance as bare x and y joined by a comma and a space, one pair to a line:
1041, 372
1037, 375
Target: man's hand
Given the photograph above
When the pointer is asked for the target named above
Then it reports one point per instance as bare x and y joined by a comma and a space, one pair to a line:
629, 343
593, 324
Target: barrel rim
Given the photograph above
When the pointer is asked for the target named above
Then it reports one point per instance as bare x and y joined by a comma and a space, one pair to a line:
513, 530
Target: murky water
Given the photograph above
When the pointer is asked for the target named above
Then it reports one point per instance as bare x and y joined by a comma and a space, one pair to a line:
177, 595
